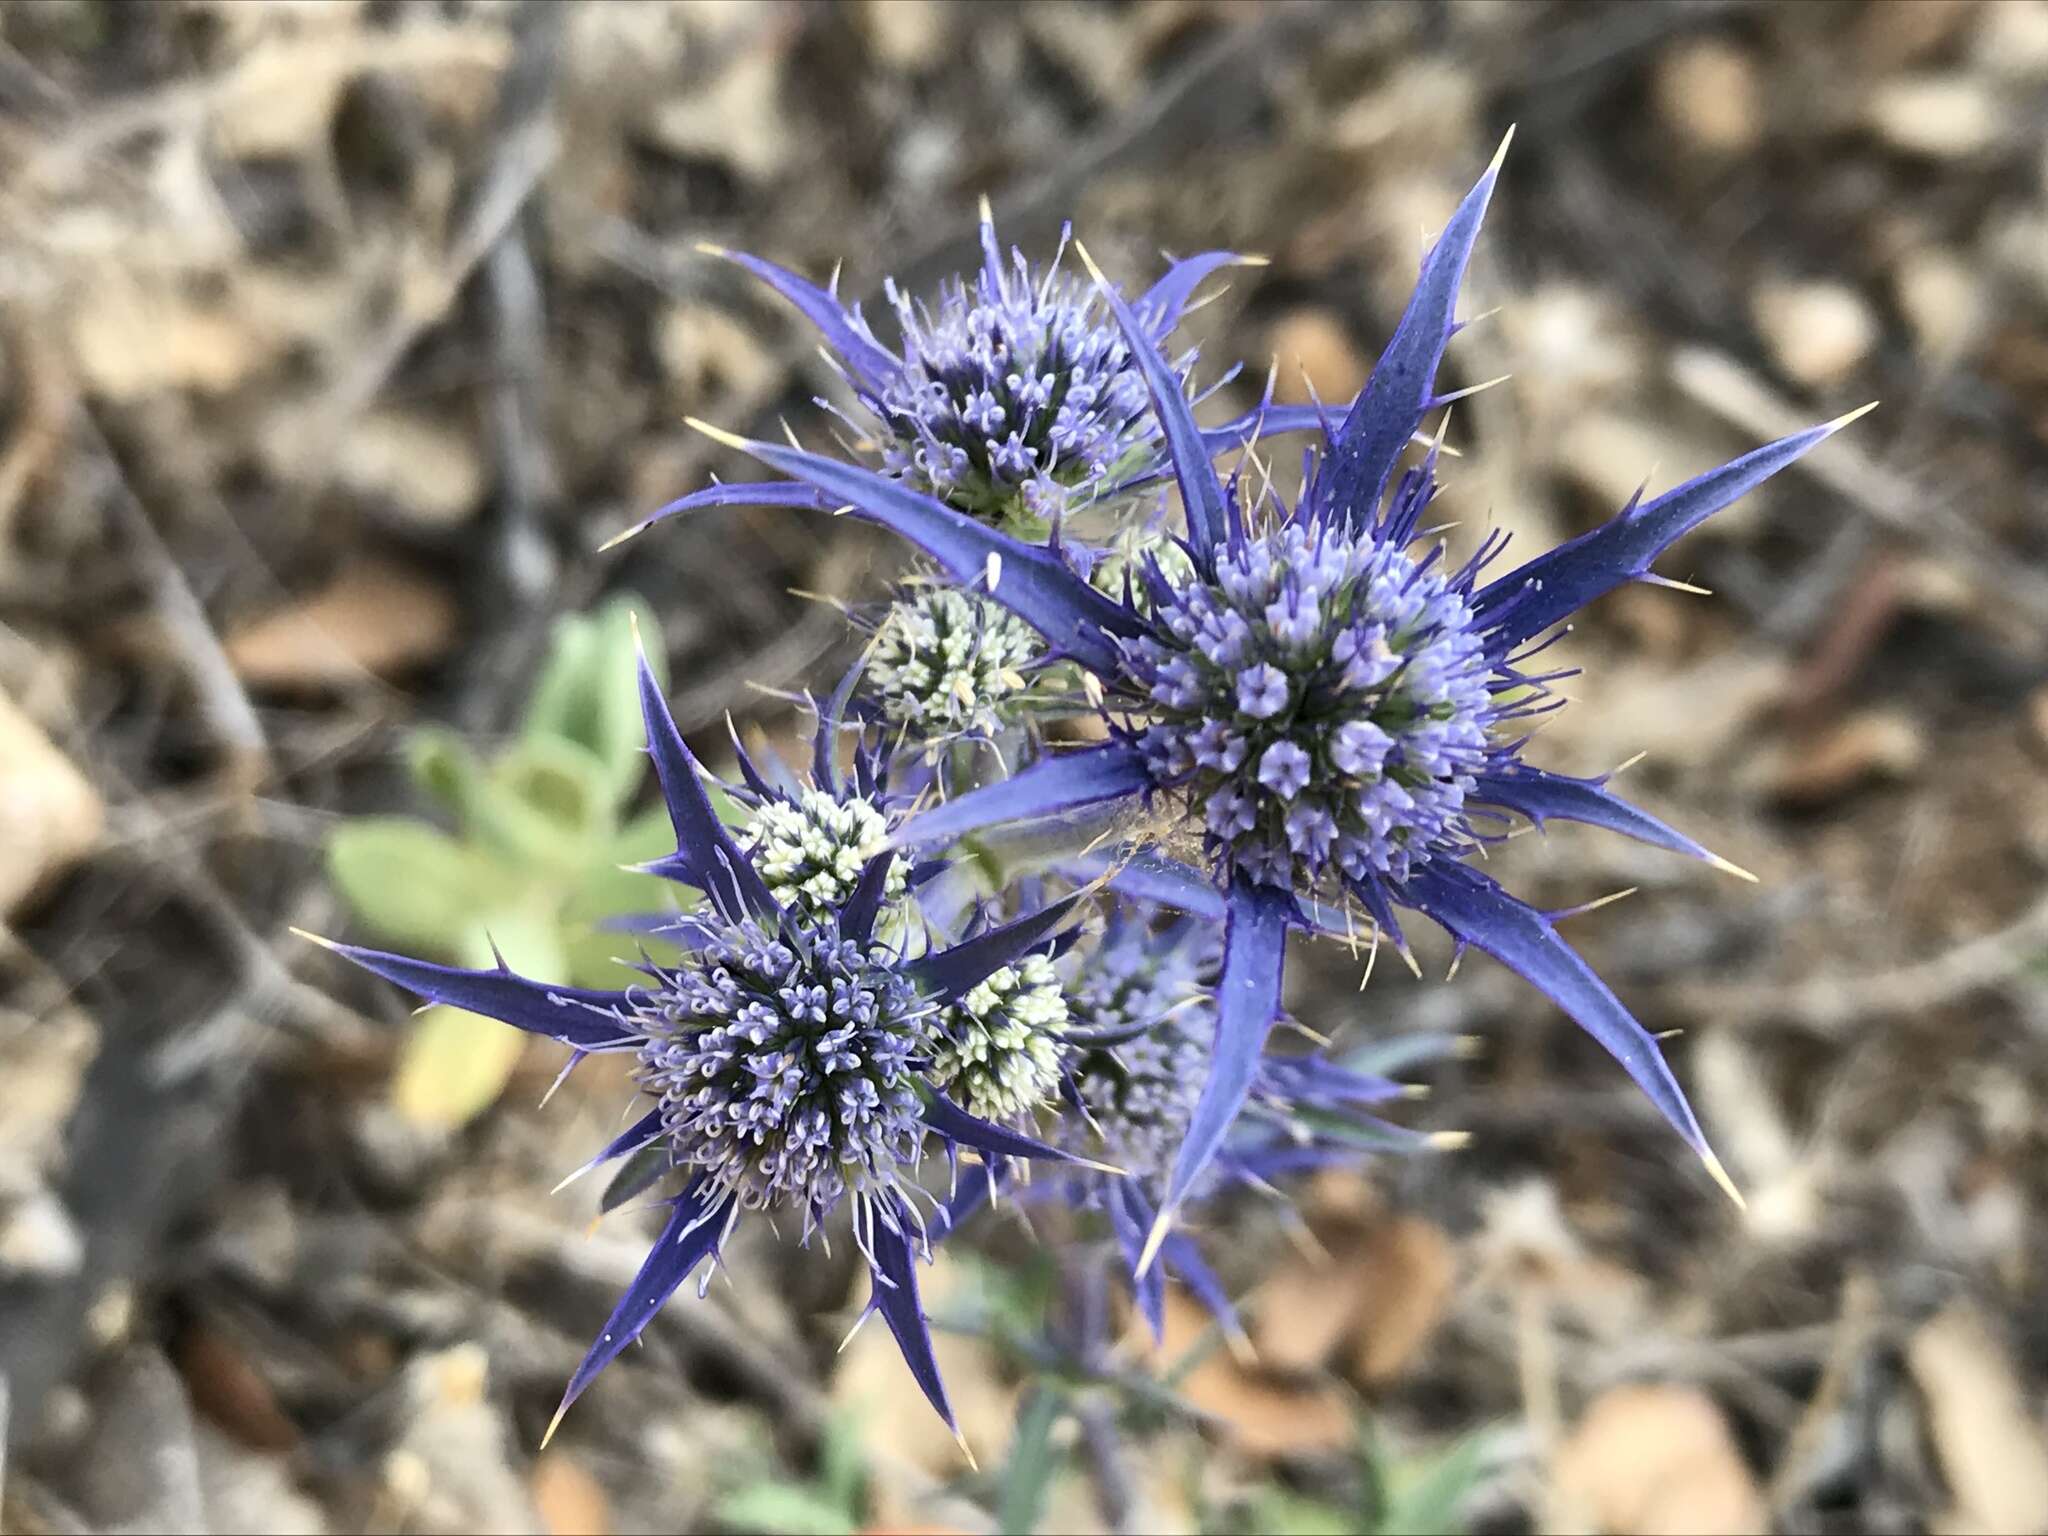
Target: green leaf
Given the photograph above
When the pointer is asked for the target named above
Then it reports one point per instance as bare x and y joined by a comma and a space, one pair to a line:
588, 691
455, 1064
1423, 1494
444, 767
1277, 1512
782, 1507
411, 883
843, 1461
1034, 1460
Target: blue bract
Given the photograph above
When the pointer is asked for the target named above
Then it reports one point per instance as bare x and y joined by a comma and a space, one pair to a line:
787, 1052
1017, 398
1315, 701
1140, 1026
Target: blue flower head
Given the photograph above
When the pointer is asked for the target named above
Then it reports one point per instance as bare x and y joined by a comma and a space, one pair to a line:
1017, 398
1316, 701
785, 1054
1140, 1027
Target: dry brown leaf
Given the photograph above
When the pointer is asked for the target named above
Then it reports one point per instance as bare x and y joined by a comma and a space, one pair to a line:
1403, 1288
571, 1501
1316, 356
1992, 1449
1263, 1414
1302, 1313
1871, 746
49, 815
226, 1387
372, 618
1654, 1461
428, 472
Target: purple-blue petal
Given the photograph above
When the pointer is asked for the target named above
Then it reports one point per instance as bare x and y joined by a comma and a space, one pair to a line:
691, 1236
1180, 1255
1144, 875
732, 493
1539, 796
895, 1297
870, 364
1268, 421
1555, 585
1130, 1218
1402, 388
706, 855
1034, 584
1201, 493
1112, 771
948, 974
1476, 911
582, 1017
1166, 301
949, 1120
1247, 1003
857, 916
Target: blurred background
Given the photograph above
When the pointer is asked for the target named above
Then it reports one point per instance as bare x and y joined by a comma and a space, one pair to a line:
334, 338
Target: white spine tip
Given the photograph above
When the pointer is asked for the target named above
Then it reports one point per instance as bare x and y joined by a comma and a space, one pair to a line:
716, 434
1450, 1141
617, 539
554, 1424
1842, 421
1719, 1175
986, 209
1727, 868
312, 938
1500, 155
1088, 261
1154, 1241
706, 248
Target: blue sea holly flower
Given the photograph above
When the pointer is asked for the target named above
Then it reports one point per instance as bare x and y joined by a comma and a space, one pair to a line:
946, 664
785, 1053
1140, 1027
1321, 632
1016, 398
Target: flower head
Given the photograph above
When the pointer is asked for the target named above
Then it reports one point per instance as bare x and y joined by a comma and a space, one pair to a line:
1016, 399
948, 663
785, 1053
811, 847
1323, 707
1016, 395
998, 1049
1141, 1010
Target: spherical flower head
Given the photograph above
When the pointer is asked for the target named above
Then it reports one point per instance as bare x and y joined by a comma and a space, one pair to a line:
784, 1063
810, 850
1322, 706
946, 663
1143, 999
998, 1048
1018, 396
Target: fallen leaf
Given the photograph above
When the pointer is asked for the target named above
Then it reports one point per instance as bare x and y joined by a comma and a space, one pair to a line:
1654, 1460
372, 618
1992, 1450
1317, 359
50, 816
1302, 1313
427, 472
1263, 1414
571, 1502
1817, 769
1403, 1288
226, 1387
